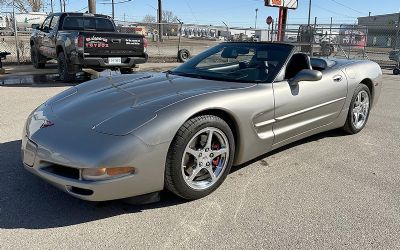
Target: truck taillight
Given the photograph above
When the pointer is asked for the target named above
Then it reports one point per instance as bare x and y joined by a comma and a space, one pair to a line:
145, 44
80, 40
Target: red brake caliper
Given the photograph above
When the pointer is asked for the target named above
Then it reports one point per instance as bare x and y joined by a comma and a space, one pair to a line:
216, 146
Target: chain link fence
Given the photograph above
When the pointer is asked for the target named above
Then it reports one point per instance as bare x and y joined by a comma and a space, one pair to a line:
338, 40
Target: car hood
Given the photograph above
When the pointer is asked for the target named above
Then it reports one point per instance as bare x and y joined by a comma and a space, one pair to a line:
118, 105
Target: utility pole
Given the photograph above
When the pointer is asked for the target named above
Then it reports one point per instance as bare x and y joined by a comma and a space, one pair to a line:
51, 2
397, 32
15, 31
64, 4
92, 6
160, 26
61, 6
113, 10
309, 13
255, 22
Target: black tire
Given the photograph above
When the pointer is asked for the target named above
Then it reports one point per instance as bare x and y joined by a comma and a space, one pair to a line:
126, 70
349, 127
62, 65
396, 71
37, 59
174, 180
183, 55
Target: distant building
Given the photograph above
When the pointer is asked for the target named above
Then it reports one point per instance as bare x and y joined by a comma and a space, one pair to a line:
210, 31
383, 30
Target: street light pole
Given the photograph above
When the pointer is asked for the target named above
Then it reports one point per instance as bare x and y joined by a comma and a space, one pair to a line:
255, 22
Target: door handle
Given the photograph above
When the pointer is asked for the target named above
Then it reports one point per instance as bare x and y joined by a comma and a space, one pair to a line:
337, 78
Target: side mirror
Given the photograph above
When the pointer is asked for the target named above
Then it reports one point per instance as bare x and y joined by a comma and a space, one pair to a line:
307, 75
35, 26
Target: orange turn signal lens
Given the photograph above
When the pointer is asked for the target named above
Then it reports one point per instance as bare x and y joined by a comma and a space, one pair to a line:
106, 173
93, 171
120, 171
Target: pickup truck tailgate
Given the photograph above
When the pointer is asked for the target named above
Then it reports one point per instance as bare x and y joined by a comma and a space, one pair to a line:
112, 44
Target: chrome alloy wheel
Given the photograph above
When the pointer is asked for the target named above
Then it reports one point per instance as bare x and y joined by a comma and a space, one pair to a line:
360, 109
205, 158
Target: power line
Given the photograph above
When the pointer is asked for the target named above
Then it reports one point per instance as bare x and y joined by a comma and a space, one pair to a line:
191, 10
359, 12
333, 12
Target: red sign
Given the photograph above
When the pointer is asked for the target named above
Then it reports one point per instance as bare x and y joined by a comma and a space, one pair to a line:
289, 4
269, 20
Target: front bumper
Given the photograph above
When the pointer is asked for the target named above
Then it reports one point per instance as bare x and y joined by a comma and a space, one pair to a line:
74, 149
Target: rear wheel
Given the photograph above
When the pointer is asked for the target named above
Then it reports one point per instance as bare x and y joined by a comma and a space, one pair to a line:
396, 71
36, 58
200, 157
359, 110
62, 66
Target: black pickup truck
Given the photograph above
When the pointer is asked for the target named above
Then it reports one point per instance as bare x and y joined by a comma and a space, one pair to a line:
82, 40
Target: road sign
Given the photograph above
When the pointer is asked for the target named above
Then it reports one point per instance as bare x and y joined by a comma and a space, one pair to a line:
269, 20
289, 4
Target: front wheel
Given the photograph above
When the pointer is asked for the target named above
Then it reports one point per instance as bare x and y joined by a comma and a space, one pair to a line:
36, 59
359, 110
200, 157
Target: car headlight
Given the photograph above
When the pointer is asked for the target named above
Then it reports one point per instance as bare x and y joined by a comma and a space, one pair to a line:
104, 173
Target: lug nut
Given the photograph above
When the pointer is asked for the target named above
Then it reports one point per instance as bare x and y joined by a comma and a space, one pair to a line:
200, 155
207, 164
211, 155
207, 149
200, 164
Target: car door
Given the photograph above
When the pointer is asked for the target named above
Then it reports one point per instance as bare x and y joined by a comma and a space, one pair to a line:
42, 37
306, 105
51, 37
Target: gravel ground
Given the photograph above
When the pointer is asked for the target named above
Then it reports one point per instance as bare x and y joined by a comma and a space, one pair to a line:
327, 191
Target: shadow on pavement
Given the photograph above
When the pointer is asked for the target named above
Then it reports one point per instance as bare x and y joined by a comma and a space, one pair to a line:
317, 137
39, 80
29, 202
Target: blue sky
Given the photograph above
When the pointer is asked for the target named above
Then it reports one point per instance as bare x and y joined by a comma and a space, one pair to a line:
242, 12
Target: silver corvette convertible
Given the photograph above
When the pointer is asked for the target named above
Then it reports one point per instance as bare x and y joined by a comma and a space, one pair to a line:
183, 129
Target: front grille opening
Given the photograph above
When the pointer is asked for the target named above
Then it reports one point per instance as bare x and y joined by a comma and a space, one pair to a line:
80, 191
67, 172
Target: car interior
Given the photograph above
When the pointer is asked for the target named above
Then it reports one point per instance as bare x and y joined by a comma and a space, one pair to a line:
243, 63
297, 63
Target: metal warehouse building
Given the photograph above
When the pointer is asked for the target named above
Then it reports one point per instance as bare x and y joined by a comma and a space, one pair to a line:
383, 30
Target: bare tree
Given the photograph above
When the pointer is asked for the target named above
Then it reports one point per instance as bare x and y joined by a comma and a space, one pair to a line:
25, 5
169, 17
149, 19
150, 23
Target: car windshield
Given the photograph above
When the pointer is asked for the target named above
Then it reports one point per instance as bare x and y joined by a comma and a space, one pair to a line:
87, 23
240, 62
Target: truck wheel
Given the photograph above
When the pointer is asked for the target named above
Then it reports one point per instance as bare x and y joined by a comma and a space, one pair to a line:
396, 71
62, 66
183, 55
36, 59
126, 70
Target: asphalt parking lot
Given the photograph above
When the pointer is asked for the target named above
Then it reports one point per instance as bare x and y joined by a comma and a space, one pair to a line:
327, 191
